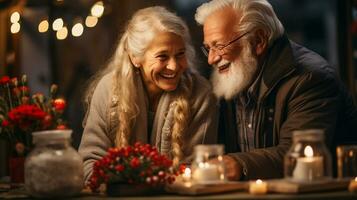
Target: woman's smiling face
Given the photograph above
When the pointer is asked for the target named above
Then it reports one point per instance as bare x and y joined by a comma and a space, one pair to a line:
163, 63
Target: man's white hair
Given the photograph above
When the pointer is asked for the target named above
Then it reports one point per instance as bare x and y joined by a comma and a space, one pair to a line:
255, 15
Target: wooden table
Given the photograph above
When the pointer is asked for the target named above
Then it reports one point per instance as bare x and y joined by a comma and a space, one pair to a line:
345, 195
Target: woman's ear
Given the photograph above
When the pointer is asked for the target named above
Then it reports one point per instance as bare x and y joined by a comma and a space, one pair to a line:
261, 42
135, 61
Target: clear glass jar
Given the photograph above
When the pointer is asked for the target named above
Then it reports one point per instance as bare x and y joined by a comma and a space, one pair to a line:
53, 168
208, 166
308, 159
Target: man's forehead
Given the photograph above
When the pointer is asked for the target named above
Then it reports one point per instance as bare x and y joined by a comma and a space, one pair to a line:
220, 22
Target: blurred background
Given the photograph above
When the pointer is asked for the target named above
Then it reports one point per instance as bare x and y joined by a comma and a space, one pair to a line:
67, 41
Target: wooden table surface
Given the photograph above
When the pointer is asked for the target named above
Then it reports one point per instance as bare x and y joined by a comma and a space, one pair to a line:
20, 193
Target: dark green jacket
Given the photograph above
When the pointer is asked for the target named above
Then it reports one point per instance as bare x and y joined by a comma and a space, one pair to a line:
297, 90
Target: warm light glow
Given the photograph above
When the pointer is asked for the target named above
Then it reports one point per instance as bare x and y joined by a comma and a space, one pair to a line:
15, 28
308, 151
258, 187
350, 153
77, 30
43, 26
356, 179
201, 165
57, 24
62, 33
91, 21
187, 172
15, 17
97, 9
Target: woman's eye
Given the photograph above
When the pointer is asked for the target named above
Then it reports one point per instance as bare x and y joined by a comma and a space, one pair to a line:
162, 57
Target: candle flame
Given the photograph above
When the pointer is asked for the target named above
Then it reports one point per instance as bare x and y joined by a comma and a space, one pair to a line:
187, 172
308, 151
259, 181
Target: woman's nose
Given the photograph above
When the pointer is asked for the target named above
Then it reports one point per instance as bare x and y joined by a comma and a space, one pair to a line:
172, 65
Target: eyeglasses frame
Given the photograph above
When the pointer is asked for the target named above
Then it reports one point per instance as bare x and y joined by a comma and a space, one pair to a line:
206, 50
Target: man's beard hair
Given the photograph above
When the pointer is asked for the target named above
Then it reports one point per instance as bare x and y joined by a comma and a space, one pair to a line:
239, 77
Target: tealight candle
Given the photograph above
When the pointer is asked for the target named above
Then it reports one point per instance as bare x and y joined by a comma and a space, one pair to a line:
308, 168
353, 185
258, 187
206, 172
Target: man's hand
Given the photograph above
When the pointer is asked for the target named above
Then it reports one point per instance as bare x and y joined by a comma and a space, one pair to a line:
233, 168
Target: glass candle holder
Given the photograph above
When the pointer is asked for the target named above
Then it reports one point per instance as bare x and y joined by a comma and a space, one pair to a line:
346, 161
53, 168
208, 166
308, 159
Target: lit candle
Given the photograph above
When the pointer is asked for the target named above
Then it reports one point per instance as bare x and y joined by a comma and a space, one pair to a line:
186, 176
258, 187
353, 185
206, 172
310, 167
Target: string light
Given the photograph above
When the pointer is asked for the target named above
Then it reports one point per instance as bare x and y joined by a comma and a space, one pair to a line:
43, 26
77, 30
97, 9
15, 17
62, 33
15, 28
57, 24
91, 21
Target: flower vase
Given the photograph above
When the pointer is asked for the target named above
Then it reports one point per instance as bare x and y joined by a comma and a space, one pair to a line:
16, 168
125, 189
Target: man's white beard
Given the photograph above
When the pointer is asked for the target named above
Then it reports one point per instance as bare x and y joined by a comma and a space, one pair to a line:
239, 76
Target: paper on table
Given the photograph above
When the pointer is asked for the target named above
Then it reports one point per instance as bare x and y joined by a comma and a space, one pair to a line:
286, 186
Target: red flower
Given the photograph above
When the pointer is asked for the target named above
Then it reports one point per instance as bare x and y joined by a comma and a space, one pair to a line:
59, 105
4, 80
5, 123
24, 89
135, 162
61, 127
26, 116
119, 168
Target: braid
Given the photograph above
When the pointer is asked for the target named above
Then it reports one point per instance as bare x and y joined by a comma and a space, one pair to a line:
181, 118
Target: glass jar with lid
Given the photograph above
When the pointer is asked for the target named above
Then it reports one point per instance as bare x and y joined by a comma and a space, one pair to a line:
208, 166
53, 168
308, 159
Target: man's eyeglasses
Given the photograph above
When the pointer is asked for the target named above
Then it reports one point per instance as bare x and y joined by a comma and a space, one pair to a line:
221, 47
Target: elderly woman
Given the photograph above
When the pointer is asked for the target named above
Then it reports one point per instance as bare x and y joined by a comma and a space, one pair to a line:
150, 93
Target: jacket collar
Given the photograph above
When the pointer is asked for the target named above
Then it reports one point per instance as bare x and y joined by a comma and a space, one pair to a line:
279, 63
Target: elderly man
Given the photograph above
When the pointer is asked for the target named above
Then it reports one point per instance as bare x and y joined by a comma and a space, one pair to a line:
271, 86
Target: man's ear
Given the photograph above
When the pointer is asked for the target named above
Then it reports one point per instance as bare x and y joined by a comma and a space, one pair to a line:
135, 61
261, 42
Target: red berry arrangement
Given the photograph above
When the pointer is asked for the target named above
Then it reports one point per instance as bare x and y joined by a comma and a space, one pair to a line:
138, 164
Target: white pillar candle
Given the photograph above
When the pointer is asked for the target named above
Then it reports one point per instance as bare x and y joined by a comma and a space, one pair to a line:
258, 187
206, 172
353, 185
308, 168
